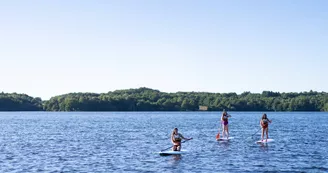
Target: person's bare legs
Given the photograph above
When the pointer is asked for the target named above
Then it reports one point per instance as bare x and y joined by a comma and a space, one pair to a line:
174, 148
223, 130
262, 136
227, 131
267, 134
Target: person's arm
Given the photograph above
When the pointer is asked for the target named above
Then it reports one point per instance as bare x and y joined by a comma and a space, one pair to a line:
228, 115
270, 121
184, 137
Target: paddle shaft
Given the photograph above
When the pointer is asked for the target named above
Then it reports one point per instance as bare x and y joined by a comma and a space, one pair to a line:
256, 132
218, 135
173, 145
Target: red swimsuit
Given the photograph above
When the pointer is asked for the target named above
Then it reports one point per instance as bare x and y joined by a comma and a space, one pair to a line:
263, 124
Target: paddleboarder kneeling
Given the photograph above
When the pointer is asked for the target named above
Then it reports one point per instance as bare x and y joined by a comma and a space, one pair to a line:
176, 139
265, 126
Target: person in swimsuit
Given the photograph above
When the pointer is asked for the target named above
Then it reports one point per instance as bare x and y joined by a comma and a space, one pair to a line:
224, 121
176, 139
265, 126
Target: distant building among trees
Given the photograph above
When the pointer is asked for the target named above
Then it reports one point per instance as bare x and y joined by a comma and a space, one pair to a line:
203, 108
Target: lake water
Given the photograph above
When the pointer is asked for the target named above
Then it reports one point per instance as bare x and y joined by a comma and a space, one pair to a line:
128, 142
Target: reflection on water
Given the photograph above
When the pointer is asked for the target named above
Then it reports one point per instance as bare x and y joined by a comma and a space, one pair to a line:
224, 144
264, 147
175, 160
177, 157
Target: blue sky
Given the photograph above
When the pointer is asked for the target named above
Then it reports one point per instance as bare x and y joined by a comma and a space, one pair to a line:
49, 48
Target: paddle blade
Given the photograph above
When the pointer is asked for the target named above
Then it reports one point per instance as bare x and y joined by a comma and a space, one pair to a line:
218, 136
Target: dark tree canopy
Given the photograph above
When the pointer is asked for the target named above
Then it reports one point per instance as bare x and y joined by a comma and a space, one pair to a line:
145, 99
19, 102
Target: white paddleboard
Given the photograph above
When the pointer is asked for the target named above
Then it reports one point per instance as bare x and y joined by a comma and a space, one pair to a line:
224, 139
264, 141
170, 152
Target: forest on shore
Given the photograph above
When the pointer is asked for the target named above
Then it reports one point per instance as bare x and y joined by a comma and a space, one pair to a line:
146, 99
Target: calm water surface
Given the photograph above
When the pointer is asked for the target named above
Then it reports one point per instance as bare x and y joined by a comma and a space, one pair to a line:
128, 142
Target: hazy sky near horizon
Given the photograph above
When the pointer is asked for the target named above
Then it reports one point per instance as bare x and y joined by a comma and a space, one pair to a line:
49, 48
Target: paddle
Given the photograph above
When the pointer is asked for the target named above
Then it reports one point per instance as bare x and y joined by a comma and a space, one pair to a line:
256, 132
172, 145
218, 136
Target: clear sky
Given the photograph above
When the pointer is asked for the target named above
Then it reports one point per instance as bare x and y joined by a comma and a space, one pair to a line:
55, 47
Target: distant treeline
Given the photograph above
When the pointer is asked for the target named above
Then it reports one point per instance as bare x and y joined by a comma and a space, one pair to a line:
145, 99
19, 102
